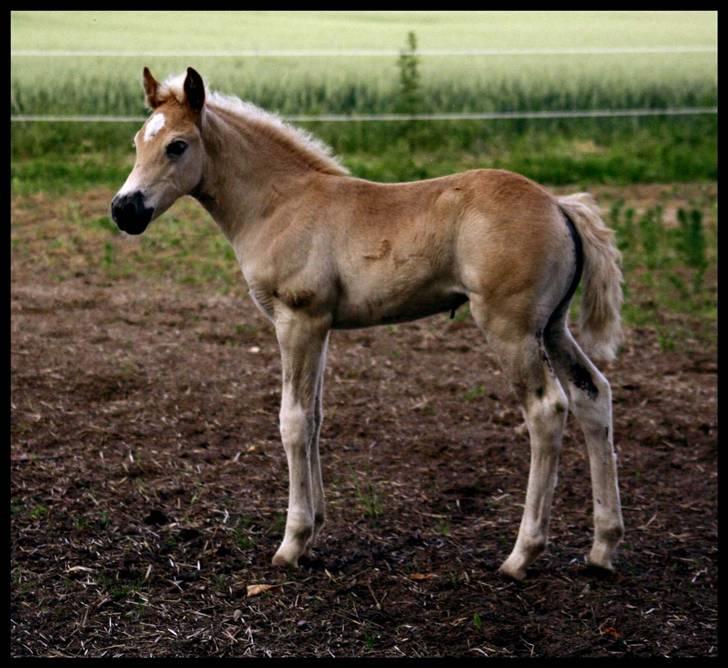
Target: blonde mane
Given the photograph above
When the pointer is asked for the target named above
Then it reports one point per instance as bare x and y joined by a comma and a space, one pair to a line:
311, 149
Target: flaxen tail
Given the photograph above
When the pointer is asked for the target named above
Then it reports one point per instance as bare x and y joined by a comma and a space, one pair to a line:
599, 322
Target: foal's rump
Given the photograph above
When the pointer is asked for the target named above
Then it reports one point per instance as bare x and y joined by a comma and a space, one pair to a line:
516, 255
524, 251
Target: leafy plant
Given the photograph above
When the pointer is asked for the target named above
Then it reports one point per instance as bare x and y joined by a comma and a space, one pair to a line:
692, 244
369, 499
650, 228
39, 512
243, 540
475, 392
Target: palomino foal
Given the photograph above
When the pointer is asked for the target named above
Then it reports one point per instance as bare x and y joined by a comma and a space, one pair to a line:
322, 250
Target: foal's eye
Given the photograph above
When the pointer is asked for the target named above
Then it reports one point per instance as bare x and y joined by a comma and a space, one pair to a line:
176, 148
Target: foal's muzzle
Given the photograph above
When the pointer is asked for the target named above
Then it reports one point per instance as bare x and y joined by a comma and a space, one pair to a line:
130, 214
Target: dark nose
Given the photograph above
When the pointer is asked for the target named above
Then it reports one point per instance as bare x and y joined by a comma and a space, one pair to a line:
130, 213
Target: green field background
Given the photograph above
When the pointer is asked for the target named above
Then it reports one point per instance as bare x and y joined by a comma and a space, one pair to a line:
606, 150
134, 31
299, 85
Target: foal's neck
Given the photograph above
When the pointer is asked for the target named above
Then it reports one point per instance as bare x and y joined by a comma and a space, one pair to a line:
248, 163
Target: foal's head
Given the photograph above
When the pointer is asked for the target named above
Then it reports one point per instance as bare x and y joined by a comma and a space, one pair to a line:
169, 153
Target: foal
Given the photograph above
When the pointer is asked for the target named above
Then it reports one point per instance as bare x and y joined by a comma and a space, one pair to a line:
322, 250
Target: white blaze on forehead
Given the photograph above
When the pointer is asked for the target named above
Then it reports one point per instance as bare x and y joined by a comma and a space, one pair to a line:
154, 125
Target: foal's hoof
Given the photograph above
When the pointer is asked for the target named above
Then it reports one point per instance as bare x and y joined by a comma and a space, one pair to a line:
285, 560
511, 572
600, 558
599, 567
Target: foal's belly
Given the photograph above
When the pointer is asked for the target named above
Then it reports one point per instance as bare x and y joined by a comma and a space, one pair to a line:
382, 309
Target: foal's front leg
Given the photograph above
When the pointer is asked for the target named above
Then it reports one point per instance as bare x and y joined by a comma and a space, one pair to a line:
319, 502
302, 340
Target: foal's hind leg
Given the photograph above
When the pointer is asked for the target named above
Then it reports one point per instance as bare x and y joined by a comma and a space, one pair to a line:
591, 404
302, 340
544, 405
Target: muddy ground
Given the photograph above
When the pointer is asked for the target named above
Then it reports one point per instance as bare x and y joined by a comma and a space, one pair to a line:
149, 486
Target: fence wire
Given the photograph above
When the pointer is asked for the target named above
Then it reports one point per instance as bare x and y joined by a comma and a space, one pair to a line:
368, 118
356, 53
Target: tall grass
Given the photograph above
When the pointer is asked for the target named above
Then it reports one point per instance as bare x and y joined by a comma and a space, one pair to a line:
611, 150
372, 86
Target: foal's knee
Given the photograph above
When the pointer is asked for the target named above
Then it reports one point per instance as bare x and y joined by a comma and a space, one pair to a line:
546, 411
296, 425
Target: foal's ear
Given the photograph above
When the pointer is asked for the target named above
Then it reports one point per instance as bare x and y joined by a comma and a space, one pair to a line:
194, 90
151, 86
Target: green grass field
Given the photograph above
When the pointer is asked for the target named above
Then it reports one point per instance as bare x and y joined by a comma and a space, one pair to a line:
133, 31
109, 85
608, 150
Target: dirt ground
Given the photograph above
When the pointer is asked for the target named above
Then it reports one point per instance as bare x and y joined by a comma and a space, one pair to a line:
149, 488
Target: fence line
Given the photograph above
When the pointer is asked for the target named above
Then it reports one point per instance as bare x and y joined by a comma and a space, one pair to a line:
343, 118
334, 53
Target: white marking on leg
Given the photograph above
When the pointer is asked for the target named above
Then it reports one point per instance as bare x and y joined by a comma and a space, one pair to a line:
595, 418
154, 125
296, 431
302, 341
545, 418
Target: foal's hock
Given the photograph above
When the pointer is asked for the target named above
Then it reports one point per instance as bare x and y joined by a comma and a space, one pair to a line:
322, 250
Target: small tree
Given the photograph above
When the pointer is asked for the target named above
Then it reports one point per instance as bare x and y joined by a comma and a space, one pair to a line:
410, 93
